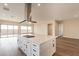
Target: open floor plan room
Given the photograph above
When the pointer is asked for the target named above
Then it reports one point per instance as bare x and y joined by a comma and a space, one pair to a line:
39, 29
65, 47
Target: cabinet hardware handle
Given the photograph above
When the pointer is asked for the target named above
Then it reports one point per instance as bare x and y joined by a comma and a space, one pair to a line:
34, 50
34, 45
33, 55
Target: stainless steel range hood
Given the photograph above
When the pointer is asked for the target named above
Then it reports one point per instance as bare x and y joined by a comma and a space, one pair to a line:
28, 13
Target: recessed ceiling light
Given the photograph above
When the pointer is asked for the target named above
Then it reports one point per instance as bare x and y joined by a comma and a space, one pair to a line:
5, 4
5, 7
38, 4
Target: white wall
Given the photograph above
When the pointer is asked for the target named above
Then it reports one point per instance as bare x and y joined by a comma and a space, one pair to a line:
60, 29
40, 28
42, 15
71, 28
56, 28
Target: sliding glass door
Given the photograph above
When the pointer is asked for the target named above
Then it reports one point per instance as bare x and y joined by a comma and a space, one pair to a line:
23, 29
15, 31
8, 30
12, 30
4, 30
26, 30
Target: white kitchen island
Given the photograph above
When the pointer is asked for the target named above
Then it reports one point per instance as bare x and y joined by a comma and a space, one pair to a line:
39, 45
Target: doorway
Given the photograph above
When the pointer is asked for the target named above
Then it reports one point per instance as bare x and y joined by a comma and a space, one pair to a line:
49, 29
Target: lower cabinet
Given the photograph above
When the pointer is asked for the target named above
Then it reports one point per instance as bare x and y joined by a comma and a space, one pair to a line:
33, 49
28, 52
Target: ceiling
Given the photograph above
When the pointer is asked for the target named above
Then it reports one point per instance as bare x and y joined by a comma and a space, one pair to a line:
16, 12
59, 11
46, 11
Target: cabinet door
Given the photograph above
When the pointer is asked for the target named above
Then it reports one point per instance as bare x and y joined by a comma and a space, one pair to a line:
19, 42
54, 45
34, 49
46, 48
28, 49
25, 45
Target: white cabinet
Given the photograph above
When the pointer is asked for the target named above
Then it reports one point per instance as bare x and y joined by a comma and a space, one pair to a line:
24, 45
35, 49
31, 47
28, 49
46, 49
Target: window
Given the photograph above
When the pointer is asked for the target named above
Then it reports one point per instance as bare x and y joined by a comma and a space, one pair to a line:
15, 30
10, 30
29, 29
3, 30
26, 29
23, 29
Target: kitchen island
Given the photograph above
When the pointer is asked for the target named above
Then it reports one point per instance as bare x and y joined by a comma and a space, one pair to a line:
37, 45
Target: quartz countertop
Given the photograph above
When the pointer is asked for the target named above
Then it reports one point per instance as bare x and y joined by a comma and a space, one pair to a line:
40, 38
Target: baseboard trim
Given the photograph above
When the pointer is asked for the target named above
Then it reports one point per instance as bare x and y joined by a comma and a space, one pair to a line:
59, 36
70, 37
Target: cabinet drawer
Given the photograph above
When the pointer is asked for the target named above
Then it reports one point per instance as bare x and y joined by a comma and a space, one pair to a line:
35, 51
35, 54
35, 46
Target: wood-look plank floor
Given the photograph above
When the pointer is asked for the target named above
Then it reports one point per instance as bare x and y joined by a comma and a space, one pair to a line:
9, 47
67, 47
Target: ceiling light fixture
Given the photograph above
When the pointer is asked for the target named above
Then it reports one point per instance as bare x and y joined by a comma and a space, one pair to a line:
5, 4
5, 7
38, 4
